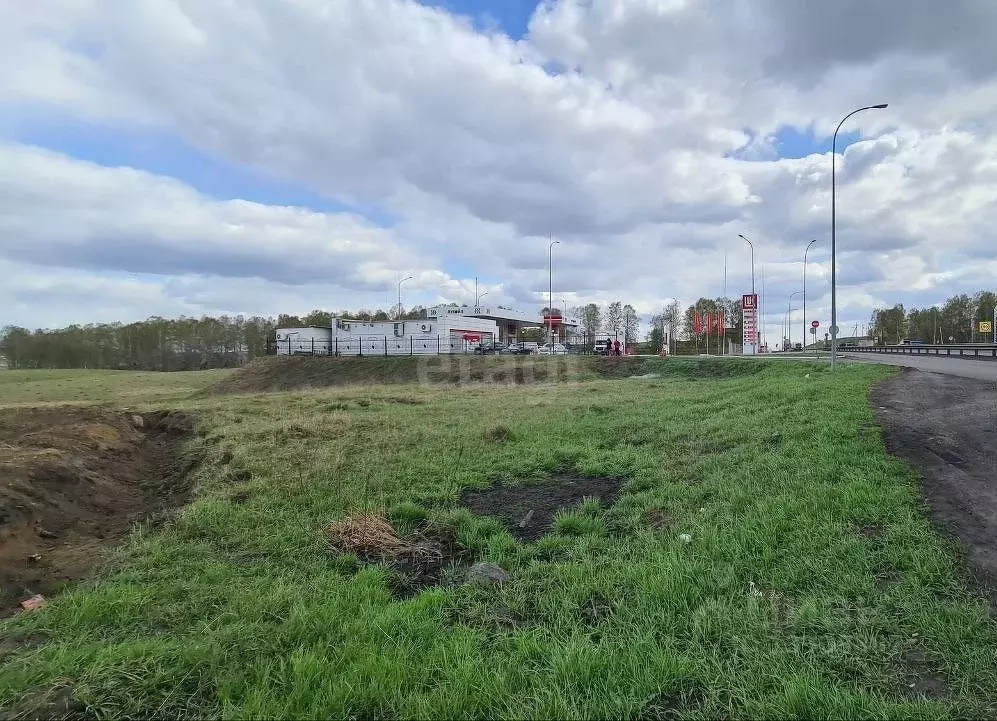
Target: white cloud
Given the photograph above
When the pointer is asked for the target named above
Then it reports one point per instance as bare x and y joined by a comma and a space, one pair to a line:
611, 125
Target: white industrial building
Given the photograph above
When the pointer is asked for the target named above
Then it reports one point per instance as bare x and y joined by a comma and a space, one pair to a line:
445, 329
427, 336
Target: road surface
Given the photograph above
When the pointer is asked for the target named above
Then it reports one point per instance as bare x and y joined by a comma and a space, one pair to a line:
981, 370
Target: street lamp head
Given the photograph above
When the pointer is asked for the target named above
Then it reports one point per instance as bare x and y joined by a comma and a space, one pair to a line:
881, 106
739, 235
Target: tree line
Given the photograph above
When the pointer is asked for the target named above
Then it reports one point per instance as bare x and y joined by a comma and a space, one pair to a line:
616, 320
957, 320
164, 344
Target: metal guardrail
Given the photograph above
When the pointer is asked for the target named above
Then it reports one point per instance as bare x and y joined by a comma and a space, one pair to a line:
987, 351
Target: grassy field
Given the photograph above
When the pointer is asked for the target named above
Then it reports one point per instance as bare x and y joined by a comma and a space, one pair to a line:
45, 387
810, 585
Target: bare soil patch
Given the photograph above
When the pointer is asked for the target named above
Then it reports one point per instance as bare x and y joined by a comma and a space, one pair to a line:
921, 678
418, 562
684, 696
528, 511
73, 480
946, 427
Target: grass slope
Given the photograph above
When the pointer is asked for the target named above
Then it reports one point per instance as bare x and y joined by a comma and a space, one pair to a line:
813, 584
43, 387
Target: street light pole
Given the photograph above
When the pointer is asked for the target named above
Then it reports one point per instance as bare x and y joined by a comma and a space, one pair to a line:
400, 293
752, 246
809, 246
834, 262
477, 300
789, 319
550, 289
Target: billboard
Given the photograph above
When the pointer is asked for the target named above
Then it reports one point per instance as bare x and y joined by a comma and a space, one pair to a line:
749, 319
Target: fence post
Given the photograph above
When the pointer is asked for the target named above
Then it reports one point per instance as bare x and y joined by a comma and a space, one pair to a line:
438, 347
410, 346
385, 346
360, 347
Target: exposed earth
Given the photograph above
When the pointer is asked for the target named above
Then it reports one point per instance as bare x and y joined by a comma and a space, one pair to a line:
528, 511
946, 427
75, 479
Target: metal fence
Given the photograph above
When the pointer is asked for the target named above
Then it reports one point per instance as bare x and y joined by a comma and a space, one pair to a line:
374, 346
965, 350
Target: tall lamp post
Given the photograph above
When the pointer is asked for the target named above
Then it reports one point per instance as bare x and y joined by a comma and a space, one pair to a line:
477, 301
834, 263
809, 246
789, 319
400, 293
550, 289
752, 246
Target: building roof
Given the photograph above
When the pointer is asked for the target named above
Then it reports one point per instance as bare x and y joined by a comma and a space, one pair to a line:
493, 312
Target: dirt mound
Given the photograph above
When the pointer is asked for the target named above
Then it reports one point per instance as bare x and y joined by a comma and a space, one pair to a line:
75, 479
528, 512
710, 368
286, 373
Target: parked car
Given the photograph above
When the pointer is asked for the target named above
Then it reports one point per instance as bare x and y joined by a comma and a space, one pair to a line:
556, 349
488, 347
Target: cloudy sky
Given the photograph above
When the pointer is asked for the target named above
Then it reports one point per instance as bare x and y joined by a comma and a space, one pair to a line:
262, 156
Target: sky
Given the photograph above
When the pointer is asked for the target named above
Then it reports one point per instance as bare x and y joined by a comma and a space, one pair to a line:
178, 157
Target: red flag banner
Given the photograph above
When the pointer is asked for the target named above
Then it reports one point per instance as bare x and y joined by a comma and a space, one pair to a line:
698, 323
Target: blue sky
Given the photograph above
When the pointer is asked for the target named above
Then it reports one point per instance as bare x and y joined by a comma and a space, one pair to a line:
512, 16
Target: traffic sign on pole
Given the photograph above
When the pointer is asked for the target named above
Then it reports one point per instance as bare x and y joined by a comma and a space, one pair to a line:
815, 324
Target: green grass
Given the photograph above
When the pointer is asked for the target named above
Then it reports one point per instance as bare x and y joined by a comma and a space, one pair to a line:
780, 606
43, 387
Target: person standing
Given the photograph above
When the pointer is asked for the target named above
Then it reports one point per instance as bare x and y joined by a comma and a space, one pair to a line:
616, 347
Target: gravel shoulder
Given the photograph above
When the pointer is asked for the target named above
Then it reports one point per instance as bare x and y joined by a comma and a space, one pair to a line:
946, 427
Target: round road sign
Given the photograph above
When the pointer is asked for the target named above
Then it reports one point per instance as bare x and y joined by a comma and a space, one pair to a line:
815, 324
834, 331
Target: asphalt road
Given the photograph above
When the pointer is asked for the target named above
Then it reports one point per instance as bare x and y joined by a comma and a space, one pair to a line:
982, 370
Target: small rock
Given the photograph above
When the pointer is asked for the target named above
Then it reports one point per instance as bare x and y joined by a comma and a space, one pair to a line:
487, 574
34, 603
35, 557
138, 421
685, 538
47, 534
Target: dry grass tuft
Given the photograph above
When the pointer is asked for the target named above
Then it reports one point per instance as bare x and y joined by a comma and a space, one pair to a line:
371, 537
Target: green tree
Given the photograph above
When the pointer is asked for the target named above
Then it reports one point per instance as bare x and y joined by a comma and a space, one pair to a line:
656, 338
631, 325
590, 318
319, 318
614, 319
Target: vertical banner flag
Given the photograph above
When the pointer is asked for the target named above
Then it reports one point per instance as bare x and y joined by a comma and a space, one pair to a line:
749, 317
698, 322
